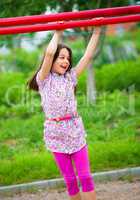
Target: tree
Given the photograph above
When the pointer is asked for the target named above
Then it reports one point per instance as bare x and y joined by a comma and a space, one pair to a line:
14, 8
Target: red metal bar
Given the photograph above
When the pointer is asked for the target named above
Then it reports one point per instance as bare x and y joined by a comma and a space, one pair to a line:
105, 12
69, 24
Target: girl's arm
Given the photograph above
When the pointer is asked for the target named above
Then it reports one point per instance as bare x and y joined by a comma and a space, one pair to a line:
90, 50
49, 54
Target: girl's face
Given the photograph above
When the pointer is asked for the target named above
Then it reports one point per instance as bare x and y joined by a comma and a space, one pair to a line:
62, 62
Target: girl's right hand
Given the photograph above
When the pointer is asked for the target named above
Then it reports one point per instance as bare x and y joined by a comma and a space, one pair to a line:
60, 32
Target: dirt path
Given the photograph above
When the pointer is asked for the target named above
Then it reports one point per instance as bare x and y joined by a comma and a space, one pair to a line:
115, 190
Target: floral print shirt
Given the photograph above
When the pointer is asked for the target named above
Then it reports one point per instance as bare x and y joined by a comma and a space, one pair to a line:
58, 100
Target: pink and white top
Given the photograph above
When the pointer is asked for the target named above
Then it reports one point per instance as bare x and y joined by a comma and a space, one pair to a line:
58, 100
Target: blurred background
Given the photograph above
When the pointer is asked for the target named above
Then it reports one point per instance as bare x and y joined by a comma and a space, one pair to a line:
108, 93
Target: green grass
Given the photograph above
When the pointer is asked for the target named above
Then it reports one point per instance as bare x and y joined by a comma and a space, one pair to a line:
104, 156
113, 137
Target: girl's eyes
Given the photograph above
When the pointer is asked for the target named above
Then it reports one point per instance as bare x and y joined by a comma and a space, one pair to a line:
62, 57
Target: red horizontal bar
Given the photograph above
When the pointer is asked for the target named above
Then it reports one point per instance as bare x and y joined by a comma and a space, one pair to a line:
69, 24
105, 12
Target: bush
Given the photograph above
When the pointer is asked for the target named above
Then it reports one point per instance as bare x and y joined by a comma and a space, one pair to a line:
14, 96
122, 75
11, 87
21, 60
111, 77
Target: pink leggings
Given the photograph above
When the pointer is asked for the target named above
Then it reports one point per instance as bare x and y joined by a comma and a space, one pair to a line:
81, 160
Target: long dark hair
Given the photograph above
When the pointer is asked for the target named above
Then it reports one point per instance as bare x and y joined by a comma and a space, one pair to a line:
32, 84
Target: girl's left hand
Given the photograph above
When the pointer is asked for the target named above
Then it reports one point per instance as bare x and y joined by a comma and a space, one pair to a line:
90, 28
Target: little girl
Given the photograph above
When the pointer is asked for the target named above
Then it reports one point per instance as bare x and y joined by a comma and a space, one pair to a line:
64, 132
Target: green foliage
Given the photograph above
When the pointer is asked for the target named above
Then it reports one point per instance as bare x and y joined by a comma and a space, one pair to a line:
15, 99
114, 116
114, 154
21, 60
11, 85
14, 8
121, 75
25, 169
136, 39
126, 37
